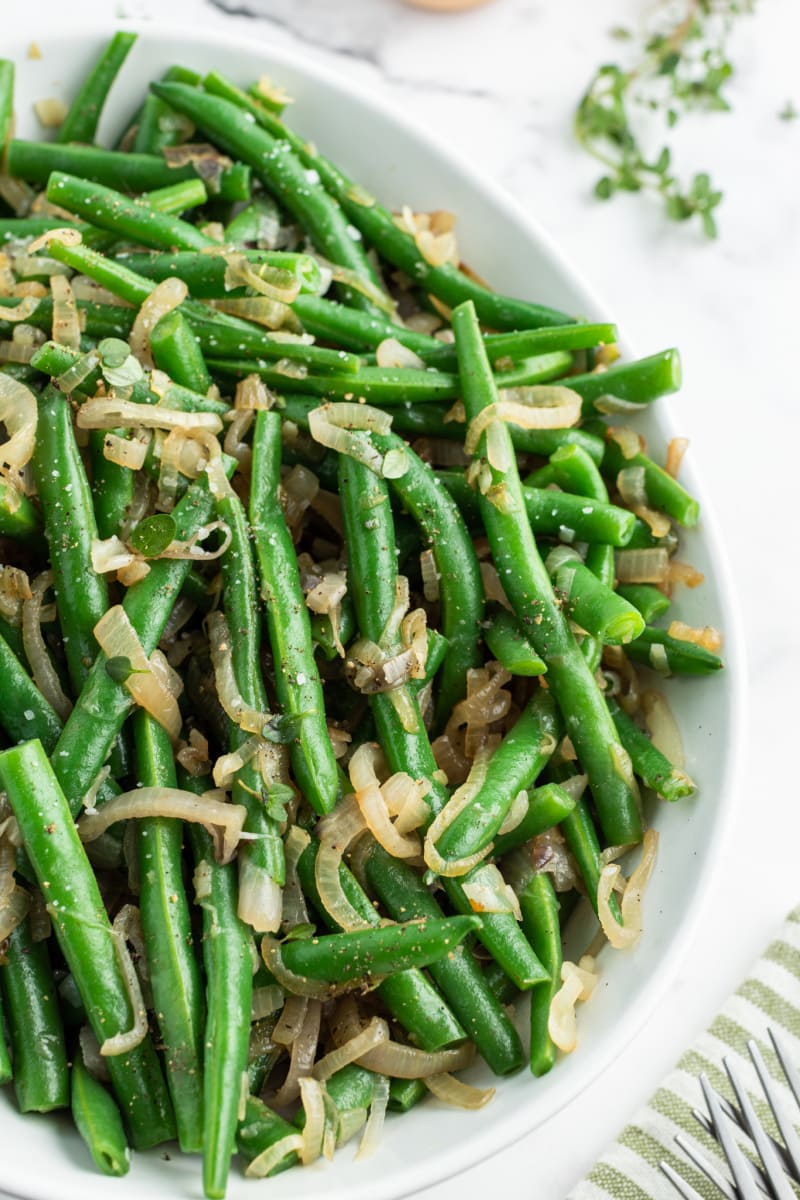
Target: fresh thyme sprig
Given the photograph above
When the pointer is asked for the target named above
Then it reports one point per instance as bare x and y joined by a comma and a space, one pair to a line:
682, 67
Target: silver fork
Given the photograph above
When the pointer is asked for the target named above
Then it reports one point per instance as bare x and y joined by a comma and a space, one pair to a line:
779, 1163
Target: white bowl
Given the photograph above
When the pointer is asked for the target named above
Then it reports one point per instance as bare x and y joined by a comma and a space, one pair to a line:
404, 164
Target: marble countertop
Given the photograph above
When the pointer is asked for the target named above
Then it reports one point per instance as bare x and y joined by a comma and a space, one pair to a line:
500, 84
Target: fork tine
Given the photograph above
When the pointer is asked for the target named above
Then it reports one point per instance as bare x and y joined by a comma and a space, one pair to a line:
733, 1152
776, 1103
787, 1066
708, 1168
708, 1125
685, 1189
773, 1166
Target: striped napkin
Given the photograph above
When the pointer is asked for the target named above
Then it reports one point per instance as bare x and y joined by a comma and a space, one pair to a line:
769, 996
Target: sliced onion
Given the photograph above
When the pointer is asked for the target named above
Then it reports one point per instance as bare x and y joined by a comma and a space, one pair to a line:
224, 821
312, 1097
577, 983
266, 1000
108, 412
299, 487
227, 765
264, 310
626, 935
550, 856
407, 1062
13, 911
66, 325
234, 443
44, 673
335, 833
22, 311
18, 414
631, 486
290, 1021
253, 394
372, 804
391, 354
272, 282
374, 1034
708, 637
337, 426
437, 249
488, 892
516, 814
165, 296
659, 522
228, 694
304, 1051
377, 1116
540, 406
663, 728
50, 112
205, 158
194, 757
453, 1091
118, 639
193, 550
627, 439
110, 554
650, 565
125, 452
685, 573
326, 597
84, 288
129, 1039
676, 449
259, 898
273, 1156
68, 235
294, 905
8, 860
94, 791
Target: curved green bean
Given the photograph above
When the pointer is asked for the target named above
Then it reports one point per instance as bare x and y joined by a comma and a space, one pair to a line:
98, 1121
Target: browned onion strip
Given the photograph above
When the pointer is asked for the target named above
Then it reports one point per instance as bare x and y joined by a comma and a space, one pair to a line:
224, 821
312, 1098
290, 1021
488, 892
66, 325
649, 565
109, 412
628, 440
125, 452
164, 297
219, 640
453, 1091
44, 673
25, 309
14, 910
407, 1062
304, 1051
577, 983
118, 639
457, 802
271, 282
708, 637
374, 1034
68, 235
676, 449
370, 800
624, 936
123, 1043
335, 833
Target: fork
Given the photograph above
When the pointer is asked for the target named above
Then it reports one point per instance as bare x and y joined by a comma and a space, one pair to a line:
779, 1163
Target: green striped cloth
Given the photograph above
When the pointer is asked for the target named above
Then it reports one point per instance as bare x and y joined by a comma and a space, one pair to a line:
769, 996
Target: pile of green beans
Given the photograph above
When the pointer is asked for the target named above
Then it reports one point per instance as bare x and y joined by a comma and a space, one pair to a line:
376, 702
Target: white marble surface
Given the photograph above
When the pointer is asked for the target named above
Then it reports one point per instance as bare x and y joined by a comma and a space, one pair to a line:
500, 84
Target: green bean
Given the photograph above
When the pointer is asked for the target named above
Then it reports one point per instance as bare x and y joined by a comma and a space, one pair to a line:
100, 320
460, 585
499, 931
282, 173
539, 905
380, 230
650, 601
632, 383
112, 487
653, 768
156, 124
504, 990
592, 604
98, 1121
70, 526
262, 1056
353, 328
322, 630
513, 767
370, 953
670, 655
261, 862
103, 704
261, 1128
6, 99
84, 934
175, 350
41, 1078
409, 995
388, 386
404, 894
662, 491
508, 644
579, 829
525, 579
6, 1070
80, 123
520, 344
204, 274
297, 681
227, 956
548, 805
404, 1094
34, 162
166, 924
13, 229
257, 223
24, 712
111, 210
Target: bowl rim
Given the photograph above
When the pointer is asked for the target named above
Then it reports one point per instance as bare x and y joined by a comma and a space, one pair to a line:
483, 1142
